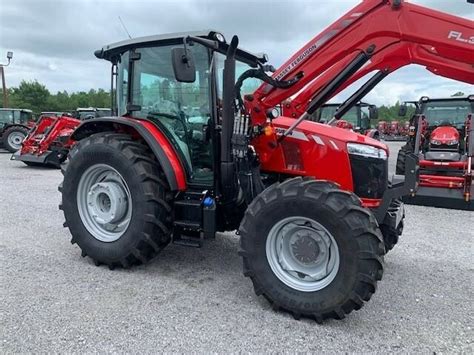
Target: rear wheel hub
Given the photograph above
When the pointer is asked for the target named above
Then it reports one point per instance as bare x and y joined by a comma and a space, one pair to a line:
104, 202
15, 139
107, 202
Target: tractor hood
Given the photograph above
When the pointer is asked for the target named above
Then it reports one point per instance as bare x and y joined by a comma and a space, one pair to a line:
314, 129
444, 135
322, 151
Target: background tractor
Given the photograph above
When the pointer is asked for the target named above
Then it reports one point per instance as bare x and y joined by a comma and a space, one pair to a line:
196, 146
357, 118
392, 131
48, 142
443, 148
14, 126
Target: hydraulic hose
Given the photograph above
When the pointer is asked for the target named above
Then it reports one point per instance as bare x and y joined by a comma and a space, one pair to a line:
260, 74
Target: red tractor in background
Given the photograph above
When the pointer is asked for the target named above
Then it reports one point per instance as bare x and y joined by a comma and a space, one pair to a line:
188, 156
393, 131
357, 118
382, 127
404, 128
48, 142
14, 126
445, 135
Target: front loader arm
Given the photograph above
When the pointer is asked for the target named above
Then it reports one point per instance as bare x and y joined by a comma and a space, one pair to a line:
400, 33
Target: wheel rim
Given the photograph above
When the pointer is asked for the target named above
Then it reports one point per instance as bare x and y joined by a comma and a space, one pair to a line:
15, 139
104, 202
302, 254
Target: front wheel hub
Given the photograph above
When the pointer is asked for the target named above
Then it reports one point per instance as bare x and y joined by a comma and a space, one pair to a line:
302, 253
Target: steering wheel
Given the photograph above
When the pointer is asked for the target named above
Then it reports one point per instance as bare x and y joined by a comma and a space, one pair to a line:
163, 114
445, 123
181, 133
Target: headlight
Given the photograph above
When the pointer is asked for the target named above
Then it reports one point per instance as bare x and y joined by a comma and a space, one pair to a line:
366, 151
453, 142
435, 142
220, 37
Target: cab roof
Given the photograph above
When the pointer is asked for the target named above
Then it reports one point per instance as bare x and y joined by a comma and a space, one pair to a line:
112, 51
457, 98
16, 109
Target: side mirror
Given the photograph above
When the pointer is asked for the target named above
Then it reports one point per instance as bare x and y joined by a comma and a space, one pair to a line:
183, 65
373, 112
402, 111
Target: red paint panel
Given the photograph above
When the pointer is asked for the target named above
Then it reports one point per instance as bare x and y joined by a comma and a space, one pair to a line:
169, 151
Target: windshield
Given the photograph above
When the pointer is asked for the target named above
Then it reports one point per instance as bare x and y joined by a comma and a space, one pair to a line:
25, 116
156, 91
452, 112
248, 87
103, 112
85, 114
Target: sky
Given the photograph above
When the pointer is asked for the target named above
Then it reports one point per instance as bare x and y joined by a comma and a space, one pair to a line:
53, 40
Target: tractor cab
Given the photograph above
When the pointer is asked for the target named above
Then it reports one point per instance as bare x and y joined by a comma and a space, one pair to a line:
9, 116
443, 126
86, 113
187, 110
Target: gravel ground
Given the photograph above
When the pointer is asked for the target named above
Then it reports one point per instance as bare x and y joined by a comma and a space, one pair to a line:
52, 300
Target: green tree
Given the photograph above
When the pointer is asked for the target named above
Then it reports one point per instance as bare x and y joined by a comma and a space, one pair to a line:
31, 95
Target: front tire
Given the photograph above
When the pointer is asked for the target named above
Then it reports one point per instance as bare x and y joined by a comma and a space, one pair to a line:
401, 157
115, 200
319, 225
13, 137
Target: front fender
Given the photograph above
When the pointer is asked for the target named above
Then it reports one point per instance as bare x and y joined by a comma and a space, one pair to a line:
154, 138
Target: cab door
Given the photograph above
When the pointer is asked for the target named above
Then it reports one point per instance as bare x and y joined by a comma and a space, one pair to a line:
180, 110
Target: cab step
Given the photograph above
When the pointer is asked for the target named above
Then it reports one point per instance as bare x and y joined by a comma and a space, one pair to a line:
188, 225
189, 241
195, 214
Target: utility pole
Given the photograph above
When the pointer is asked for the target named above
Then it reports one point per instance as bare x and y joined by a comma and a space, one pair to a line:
4, 85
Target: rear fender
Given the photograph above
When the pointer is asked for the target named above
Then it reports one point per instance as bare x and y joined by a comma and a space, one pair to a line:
154, 138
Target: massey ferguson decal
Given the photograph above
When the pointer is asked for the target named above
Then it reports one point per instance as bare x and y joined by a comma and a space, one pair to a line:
459, 36
305, 55
313, 47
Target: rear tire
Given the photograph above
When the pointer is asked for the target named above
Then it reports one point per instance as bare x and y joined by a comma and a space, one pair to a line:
13, 137
135, 182
354, 230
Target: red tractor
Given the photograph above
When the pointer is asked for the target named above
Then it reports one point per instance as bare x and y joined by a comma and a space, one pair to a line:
404, 128
392, 131
382, 127
48, 142
444, 127
187, 156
